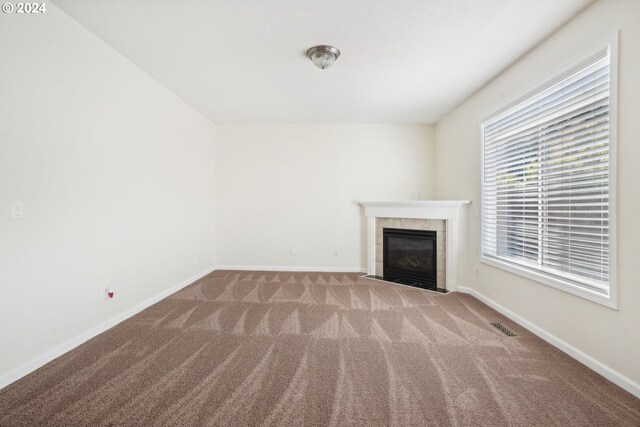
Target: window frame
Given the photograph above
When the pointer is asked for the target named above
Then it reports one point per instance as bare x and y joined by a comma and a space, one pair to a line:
607, 45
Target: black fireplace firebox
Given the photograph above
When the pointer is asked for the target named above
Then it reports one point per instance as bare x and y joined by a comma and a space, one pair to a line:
409, 257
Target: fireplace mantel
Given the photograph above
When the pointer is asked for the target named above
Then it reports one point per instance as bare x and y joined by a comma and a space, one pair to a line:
448, 210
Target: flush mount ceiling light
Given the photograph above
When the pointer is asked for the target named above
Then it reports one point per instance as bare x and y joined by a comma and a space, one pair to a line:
323, 56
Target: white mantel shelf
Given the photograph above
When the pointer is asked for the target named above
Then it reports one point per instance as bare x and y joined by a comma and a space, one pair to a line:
448, 210
428, 209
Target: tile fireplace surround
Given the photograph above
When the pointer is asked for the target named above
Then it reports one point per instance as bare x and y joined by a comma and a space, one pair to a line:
439, 215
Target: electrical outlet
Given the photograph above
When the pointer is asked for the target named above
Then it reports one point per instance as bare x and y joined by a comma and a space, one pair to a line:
477, 273
294, 251
336, 253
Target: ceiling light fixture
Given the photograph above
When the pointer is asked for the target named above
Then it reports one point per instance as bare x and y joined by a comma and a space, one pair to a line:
323, 56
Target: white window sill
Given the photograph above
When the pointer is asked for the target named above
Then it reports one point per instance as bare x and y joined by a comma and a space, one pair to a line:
566, 286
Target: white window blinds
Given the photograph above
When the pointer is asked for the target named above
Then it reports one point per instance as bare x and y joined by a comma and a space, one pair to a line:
545, 195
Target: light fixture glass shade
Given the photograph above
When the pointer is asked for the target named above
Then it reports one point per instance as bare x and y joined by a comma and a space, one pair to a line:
323, 56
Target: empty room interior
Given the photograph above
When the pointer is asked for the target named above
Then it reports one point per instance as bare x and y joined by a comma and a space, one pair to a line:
310, 213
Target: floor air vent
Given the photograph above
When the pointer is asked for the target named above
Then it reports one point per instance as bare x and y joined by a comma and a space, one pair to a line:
504, 330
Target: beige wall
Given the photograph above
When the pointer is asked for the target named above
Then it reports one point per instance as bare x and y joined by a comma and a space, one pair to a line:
295, 186
609, 336
116, 177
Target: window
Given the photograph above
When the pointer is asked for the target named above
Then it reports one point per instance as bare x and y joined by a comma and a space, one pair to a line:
547, 187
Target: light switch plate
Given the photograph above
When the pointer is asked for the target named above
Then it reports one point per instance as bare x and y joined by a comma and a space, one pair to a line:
16, 210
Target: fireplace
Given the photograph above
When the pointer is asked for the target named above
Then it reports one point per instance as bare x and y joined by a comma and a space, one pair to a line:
409, 257
441, 216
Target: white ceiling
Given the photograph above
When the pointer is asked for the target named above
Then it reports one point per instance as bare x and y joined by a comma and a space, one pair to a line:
243, 61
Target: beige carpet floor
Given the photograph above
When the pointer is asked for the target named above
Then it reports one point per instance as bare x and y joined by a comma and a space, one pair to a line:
291, 349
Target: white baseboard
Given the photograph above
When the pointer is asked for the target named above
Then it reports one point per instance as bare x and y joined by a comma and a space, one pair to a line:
59, 350
293, 269
599, 367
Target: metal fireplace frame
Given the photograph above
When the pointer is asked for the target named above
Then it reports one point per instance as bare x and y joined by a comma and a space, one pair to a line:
426, 281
